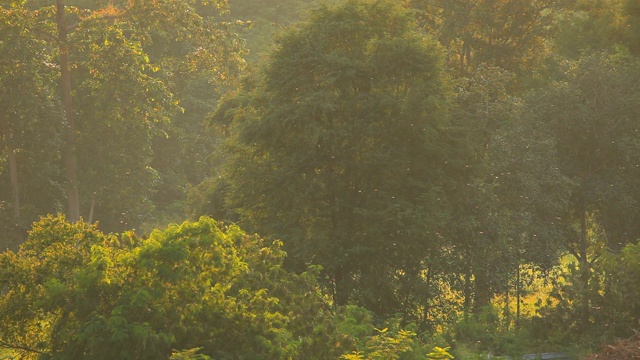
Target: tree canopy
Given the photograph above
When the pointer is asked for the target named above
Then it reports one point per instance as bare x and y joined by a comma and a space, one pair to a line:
338, 149
458, 173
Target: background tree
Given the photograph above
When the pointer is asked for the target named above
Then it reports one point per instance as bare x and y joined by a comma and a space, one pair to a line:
123, 61
118, 103
338, 150
620, 307
591, 26
267, 19
197, 61
508, 34
590, 114
632, 11
508, 195
29, 136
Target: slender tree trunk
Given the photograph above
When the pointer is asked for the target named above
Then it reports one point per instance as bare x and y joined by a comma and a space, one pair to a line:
518, 290
482, 294
340, 292
467, 292
462, 54
340, 296
92, 208
507, 309
70, 161
465, 54
13, 167
584, 265
427, 298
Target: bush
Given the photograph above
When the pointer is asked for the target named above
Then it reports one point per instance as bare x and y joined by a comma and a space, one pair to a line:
390, 342
72, 292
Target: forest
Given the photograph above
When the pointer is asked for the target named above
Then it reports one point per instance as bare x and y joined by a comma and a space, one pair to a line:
319, 179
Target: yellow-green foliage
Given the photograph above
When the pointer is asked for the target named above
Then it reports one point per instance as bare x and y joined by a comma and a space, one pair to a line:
385, 345
439, 353
391, 342
191, 354
72, 292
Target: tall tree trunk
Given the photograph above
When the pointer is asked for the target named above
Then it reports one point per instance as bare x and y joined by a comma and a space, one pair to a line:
92, 208
584, 265
507, 308
70, 162
340, 291
467, 291
427, 297
482, 293
518, 290
13, 167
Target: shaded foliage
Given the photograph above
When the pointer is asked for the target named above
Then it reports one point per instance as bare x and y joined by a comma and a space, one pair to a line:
337, 148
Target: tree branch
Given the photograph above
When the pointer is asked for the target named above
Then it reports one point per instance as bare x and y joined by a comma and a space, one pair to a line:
6, 345
572, 251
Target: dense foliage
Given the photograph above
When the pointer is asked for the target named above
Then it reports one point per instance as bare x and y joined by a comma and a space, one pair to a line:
121, 71
206, 289
72, 292
461, 173
337, 149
